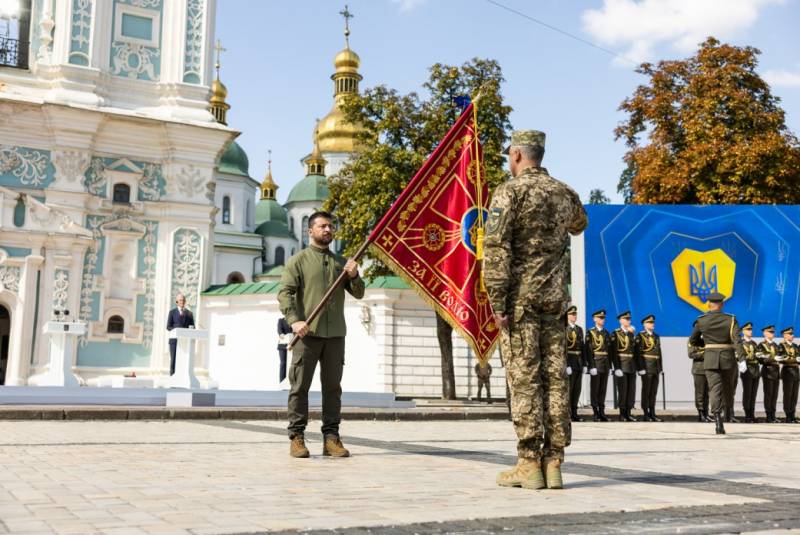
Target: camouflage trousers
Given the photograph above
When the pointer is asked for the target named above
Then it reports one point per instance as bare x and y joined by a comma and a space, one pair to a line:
534, 354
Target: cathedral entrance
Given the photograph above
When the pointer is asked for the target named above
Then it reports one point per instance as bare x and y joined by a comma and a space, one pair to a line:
5, 332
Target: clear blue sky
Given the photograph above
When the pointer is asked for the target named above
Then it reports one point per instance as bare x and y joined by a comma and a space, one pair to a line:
279, 60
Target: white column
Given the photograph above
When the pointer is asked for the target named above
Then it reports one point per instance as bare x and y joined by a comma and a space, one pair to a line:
22, 324
383, 323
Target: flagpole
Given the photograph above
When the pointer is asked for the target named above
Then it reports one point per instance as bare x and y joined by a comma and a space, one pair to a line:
479, 187
343, 276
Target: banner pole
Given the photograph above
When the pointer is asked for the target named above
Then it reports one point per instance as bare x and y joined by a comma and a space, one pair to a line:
343, 276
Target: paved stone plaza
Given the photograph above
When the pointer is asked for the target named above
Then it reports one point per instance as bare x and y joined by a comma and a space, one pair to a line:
198, 477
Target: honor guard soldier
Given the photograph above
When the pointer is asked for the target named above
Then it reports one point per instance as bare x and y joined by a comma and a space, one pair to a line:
598, 344
648, 352
622, 342
718, 332
768, 351
576, 361
749, 370
696, 353
789, 374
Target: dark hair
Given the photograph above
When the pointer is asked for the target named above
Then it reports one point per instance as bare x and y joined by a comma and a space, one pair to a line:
319, 214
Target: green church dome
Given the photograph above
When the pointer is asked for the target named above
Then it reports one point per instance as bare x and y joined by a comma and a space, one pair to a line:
234, 161
311, 188
274, 229
270, 210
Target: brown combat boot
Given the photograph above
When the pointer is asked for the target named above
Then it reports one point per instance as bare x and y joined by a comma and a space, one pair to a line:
552, 474
526, 474
297, 447
332, 447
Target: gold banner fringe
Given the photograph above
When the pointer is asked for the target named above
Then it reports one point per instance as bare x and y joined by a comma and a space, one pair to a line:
483, 358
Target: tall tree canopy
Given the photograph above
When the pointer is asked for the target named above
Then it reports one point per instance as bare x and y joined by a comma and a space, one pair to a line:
715, 133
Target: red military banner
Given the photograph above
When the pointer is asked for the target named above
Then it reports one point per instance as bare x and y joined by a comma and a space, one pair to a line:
429, 236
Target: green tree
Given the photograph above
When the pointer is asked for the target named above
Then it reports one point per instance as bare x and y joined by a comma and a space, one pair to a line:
715, 133
598, 196
399, 132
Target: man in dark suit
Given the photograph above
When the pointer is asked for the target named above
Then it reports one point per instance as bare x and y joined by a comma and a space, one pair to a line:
178, 317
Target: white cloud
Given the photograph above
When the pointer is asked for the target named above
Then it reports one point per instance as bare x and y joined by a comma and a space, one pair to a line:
640, 26
782, 78
408, 5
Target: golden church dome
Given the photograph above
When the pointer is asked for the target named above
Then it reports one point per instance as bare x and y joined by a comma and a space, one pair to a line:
218, 92
347, 61
337, 134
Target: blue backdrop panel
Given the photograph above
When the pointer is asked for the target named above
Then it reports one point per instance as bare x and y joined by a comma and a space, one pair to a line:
664, 259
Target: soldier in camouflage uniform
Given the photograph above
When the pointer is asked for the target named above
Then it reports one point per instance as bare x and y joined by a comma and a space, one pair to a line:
576, 361
748, 368
525, 271
789, 374
483, 373
625, 366
718, 333
768, 351
696, 353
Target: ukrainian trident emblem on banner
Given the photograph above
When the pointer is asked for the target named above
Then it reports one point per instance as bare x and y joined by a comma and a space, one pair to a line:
697, 274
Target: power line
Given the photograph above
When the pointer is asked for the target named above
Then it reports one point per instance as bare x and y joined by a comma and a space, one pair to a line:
559, 30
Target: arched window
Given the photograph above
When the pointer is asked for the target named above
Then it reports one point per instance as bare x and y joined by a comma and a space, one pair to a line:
235, 278
304, 232
116, 325
280, 255
291, 225
226, 210
122, 193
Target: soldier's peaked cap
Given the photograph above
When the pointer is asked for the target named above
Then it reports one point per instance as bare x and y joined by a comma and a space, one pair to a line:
716, 297
769, 329
649, 318
599, 313
526, 138
788, 330
572, 310
625, 315
748, 325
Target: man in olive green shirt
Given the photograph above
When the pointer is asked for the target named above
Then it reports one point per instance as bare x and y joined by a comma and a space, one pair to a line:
306, 278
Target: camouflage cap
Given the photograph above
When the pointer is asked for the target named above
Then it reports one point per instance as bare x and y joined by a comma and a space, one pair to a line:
716, 297
522, 138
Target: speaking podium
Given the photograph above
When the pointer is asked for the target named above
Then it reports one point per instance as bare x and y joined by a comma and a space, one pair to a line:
63, 341
184, 376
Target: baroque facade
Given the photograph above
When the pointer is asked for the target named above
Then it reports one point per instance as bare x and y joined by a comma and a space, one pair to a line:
107, 187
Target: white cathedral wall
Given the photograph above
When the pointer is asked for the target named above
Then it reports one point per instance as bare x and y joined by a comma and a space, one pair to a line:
392, 348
